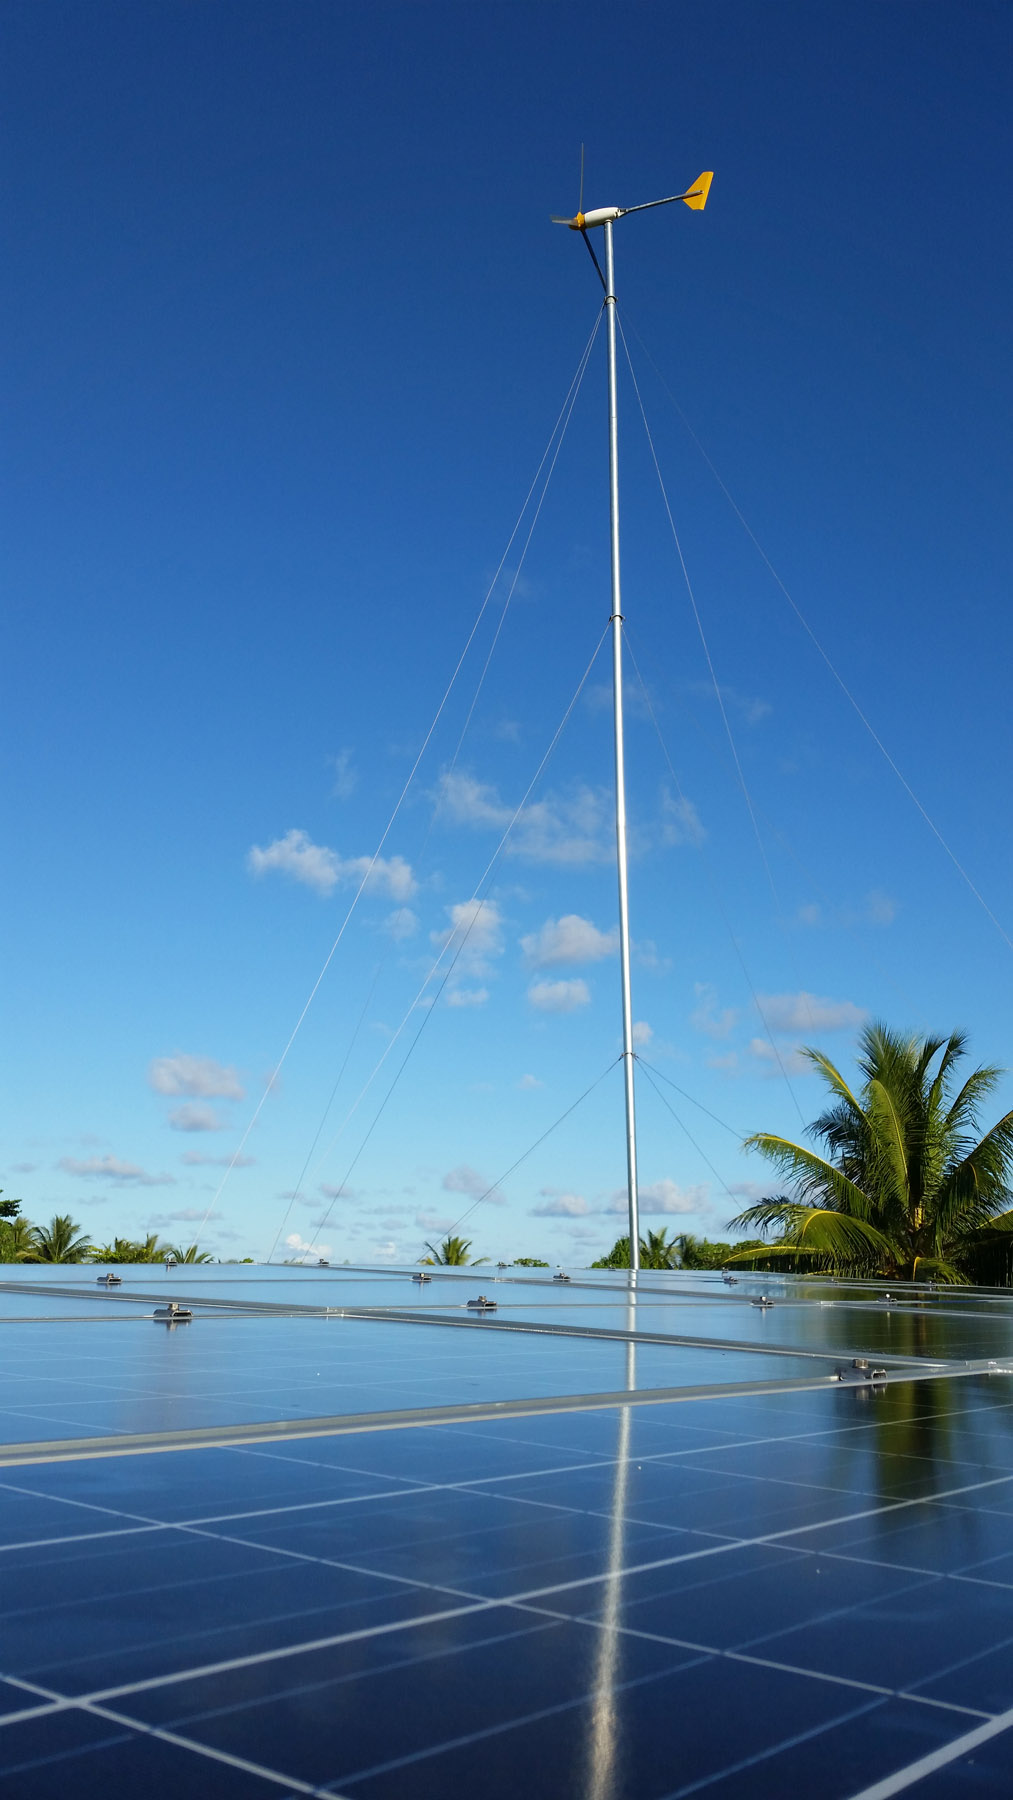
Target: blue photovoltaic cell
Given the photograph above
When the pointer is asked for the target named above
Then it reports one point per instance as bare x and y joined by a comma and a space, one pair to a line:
787, 1586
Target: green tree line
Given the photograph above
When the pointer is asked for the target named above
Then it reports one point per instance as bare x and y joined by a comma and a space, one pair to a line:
63, 1241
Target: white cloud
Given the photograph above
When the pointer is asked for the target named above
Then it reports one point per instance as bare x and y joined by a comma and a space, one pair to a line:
195, 1118
559, 996
467, 996
809, 1012
750, 1190
880, 908
528, 1082
429, 1221
562, 1206
727, 1064
111, 1168
465, 1180
195, 1077
317, 866
385, 1252
196, 1159
749, 707
303, 1249
565, 829
681, 823
570, 939
706, 1017
402, 923
346, 778
778, 1062
473, 938
189, 1215
877, 908
665, 1196
642, 1034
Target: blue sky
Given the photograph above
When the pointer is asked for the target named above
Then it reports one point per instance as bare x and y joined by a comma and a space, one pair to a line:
288, 333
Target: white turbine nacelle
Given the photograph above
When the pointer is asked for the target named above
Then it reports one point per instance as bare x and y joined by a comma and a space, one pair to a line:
602, 215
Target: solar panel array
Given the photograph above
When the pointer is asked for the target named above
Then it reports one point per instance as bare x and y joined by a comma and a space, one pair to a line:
341, 1534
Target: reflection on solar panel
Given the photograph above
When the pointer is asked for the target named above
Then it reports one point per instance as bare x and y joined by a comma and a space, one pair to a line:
340, 1534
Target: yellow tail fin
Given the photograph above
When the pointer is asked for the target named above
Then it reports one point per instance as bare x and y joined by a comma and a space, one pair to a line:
697, 195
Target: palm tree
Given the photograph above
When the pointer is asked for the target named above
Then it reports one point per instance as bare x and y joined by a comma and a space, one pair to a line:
189, 1253
17, 1240
452, 1252
907, 1189
57, 1242
130, 1250
659, 1251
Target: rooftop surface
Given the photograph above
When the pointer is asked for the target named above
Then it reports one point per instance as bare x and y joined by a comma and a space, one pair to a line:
340, 1534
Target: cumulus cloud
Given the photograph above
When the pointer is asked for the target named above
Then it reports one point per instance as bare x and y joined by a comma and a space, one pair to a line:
303, 1249
778, 1062
566, 829
474, 937
562, 1206
528, 1082
467, 996
195, 1118
681, 823
195, 1078
465, 1180
317, 866
707, 1017
809, 1012
196, 1159
430, 1221
402, 923
112, 1168
570, 939
642, 1034
665, 1196
559, 996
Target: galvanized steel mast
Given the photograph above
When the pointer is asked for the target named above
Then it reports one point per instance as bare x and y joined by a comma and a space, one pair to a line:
605, 216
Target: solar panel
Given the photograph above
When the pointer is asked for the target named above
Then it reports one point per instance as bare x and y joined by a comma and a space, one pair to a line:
339, 1535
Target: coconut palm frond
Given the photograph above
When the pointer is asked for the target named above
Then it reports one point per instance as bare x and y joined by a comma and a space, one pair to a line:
832, 1076
978, 1187
782, 1257
778, 1214
964, 1108
839, 1241
816, 1178
891, 1138
936, 1268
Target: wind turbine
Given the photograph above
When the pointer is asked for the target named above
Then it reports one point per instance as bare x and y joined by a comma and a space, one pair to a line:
605, 217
